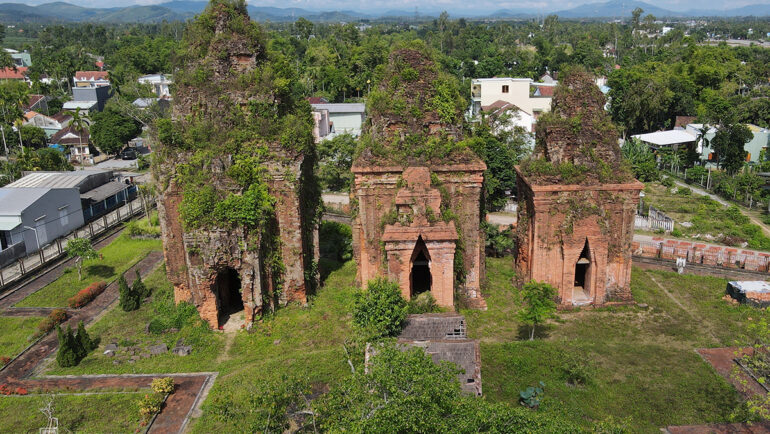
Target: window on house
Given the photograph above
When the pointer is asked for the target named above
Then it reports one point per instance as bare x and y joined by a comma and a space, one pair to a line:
505, 88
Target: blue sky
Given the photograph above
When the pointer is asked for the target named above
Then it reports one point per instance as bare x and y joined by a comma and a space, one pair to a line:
450, 5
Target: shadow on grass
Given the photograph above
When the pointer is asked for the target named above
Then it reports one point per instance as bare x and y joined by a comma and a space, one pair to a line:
541, 332
99, 270
327, 266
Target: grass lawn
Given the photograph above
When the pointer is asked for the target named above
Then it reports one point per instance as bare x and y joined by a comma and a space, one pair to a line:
118, 256
15, 333
107, 412
641, 362
710, 220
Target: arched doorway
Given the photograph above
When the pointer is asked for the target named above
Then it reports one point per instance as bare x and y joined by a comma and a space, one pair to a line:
420, 278
227, 288
582, 284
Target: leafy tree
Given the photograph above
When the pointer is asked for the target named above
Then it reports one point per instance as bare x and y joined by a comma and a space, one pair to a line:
379, 311
81, 249
68, 354
540, 305
111, 130
78, 122
33, 137
642, 160
335, 157
728, 144
335, 241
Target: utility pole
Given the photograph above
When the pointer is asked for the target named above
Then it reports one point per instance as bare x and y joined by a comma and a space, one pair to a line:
5, 145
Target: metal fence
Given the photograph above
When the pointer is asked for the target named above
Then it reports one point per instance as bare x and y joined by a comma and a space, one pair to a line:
651, 224
56, 249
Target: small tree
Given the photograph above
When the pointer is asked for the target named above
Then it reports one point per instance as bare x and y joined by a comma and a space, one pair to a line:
540, 304
86, 343
81, 249
128, 300
380, 310
140, 290
68, 353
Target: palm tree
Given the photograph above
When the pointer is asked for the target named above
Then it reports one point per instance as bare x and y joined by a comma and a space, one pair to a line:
78, 123
17, 124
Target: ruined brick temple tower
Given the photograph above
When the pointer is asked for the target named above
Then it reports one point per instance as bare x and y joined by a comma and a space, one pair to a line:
577, 201
238, 202
417, 192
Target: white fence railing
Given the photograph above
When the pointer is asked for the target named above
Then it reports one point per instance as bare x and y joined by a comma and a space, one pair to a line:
652, 224
56, 249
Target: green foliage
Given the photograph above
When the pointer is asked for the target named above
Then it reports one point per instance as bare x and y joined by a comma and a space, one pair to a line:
335, 241
642, 160
80, 249
423, 303
73, 348
379, 311
150, 405
532, 395
728, 145
335, 157
139, 288
667, 182
162, 385
111, 130
498, 242
539, 304
578, 371
683, 191
86, 343
128, 298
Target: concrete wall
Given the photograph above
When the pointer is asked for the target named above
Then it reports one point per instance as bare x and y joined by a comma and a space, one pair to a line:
518, 94
347, 122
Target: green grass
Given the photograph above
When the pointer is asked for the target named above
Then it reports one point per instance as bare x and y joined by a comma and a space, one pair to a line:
118, 256
710, 220
15, 333
119, 326
643, 361
108, 412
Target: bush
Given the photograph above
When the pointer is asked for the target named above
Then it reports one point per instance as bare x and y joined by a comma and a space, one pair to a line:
56, 317
423, 303
335, 241
676, 232
684, 191
667, 182
85, 296
498, 243
69, 353
379, 311
578, 371
4, 360
129, 299
150, 405
163, 385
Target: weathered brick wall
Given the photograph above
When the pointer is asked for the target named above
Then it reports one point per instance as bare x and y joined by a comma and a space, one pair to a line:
434, 326
702, 253
554, 223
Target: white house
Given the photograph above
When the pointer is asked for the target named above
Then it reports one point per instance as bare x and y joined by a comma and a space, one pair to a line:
530, 97
160, 83
343, 118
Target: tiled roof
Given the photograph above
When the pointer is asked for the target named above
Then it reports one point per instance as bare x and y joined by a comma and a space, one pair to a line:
13, 73
33, 101
69, 136
61, 117
92, 75
317, 100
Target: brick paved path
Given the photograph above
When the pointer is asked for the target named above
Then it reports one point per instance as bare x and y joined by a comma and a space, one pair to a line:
179, 406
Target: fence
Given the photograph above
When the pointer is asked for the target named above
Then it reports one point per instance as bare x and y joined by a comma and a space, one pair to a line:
717, 256
652, 224
56, 249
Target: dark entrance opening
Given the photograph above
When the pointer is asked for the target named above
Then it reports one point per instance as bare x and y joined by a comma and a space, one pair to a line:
420, 277
227, 287
582, 273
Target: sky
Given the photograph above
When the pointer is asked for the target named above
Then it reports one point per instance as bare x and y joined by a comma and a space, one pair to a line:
431, 5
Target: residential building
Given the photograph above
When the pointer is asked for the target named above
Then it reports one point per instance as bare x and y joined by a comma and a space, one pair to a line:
36, 102
48, 124
75, 143
19, 73
529, 96
340, 118
670, 139
95, 97
160, 83
91, 78
86, 107
518, 117
20, 59
31, 218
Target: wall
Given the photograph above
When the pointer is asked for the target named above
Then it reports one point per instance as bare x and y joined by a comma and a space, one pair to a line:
56, 222
347, 123
518, 94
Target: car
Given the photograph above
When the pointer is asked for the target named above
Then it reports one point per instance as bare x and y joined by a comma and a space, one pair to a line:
128, 154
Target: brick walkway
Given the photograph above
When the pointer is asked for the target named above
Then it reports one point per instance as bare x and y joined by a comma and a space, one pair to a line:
179, 406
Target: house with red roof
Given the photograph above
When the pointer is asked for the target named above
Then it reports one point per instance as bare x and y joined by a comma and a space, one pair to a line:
91, 78
76, 141
17, 73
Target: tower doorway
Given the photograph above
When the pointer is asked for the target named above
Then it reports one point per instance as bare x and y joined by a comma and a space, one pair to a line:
582, 291
420, 278
227, 288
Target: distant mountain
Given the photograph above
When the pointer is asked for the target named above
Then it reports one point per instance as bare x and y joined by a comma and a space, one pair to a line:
185, 9
614, 8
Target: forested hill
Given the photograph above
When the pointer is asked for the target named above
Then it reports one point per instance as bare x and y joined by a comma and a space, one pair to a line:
185, 9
